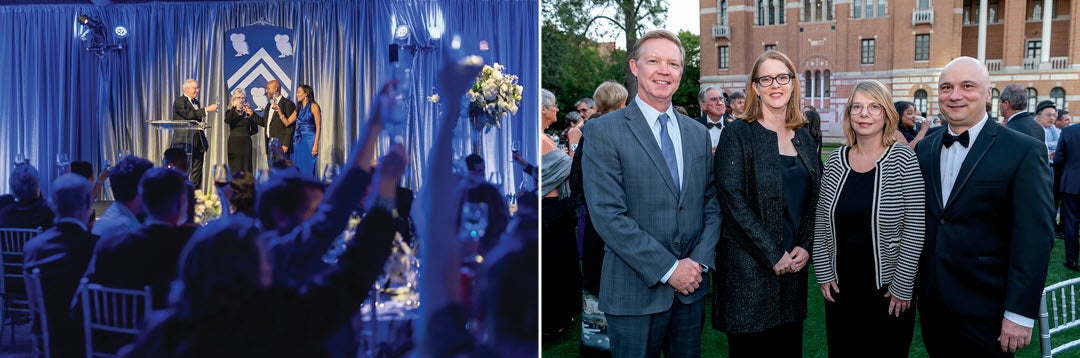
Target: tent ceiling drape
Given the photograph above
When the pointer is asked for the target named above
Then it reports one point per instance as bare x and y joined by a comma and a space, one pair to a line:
63, 99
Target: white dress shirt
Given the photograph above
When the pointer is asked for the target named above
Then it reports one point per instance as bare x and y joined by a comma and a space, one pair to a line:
714, 132
953, 157
651, 116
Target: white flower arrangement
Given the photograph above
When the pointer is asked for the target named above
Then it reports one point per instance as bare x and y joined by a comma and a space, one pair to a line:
433, 98
207, 207
493, 96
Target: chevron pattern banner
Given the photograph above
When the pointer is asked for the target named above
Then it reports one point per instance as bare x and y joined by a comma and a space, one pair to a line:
259, 54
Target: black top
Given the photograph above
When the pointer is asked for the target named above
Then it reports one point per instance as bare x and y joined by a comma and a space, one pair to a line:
854, 238
796, 184
240, 123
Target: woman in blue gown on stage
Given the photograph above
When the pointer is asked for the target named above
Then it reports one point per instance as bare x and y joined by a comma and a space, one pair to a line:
308, 119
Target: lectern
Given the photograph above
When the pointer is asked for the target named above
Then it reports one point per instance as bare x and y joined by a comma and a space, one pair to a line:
179, 134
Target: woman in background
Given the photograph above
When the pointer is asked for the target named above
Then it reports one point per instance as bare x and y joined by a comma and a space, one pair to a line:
869, 231
905, 130
241, 128
308, 119
767, 182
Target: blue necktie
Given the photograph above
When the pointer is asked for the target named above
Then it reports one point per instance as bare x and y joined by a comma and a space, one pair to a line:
667, 147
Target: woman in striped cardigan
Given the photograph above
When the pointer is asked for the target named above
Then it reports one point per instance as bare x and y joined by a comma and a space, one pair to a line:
869, 231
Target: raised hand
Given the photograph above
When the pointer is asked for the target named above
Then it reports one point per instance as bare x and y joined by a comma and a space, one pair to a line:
212, 107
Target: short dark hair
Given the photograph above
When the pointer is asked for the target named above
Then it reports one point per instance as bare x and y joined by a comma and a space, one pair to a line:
283, 192
83, 168
175, 156
124, 177
243, 197
735, 95
472, 160
1016, 95
220, 262
160, 190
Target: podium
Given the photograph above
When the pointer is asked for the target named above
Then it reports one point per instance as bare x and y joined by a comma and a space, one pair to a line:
169, 134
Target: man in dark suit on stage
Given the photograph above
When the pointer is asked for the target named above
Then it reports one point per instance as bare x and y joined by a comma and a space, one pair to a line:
989, 229
1013, 108
62, 254
714, 116
648, 183
187, 108
277, 111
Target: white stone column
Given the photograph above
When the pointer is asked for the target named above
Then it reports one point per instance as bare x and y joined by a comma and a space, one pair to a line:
1048, 11
983, 9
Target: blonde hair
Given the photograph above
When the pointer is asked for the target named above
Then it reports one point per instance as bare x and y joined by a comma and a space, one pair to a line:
609, 96
236, 94
656, 34
752, 112
880, 95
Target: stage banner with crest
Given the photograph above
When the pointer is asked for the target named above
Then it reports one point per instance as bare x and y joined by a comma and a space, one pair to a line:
255, 55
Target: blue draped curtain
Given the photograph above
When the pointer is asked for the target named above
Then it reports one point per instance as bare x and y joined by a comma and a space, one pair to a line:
62, 99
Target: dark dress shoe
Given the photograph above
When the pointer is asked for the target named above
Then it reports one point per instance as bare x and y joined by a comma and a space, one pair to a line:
1072, 266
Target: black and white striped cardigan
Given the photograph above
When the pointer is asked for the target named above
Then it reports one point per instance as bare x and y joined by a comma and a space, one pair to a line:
897, 223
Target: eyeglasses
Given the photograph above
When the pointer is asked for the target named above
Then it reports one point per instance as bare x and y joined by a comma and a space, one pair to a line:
583, 109
873, 108
719, 100
781, 79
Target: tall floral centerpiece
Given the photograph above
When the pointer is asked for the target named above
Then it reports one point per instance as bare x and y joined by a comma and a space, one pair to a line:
492, 97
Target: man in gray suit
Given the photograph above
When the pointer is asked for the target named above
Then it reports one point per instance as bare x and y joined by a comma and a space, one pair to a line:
1013, 108
649, 188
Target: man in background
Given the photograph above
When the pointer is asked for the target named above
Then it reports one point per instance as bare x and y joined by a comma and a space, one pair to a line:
714, 118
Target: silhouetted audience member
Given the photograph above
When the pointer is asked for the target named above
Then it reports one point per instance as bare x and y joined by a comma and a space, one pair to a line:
62, 253
229, 306
122, 216
242, 197
148, 256
476, 189
175, 158
29, 209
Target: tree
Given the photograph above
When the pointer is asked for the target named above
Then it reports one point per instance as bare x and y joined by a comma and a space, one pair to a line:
573, 67
587, 17
686, 95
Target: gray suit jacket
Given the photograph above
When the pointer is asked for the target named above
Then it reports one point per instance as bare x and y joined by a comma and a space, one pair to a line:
645, 223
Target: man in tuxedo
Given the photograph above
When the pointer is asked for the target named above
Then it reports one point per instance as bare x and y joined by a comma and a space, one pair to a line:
187, 108
1013, 108
989, 228
715, 117
277, 111
62, 254
1067, 170
737, 101
649, 188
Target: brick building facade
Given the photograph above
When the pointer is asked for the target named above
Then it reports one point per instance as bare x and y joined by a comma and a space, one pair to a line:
904, 44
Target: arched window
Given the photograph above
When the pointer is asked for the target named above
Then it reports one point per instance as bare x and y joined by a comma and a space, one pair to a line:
807, 10
1058, 96
825, 84
1033, 99
721, 13
920, 101
809, 84
817, 83
995, 99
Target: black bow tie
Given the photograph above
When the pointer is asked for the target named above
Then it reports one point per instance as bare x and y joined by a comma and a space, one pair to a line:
711, 125
948, 139
195, 101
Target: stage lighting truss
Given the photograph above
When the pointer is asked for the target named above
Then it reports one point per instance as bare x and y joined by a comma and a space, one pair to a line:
97, 41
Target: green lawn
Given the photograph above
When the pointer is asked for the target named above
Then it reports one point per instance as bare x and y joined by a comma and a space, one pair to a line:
714, 343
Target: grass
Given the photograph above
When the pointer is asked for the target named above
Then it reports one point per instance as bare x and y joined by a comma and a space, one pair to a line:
714, 343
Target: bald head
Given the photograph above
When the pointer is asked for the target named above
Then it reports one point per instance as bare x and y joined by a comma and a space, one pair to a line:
273, 88
963, 91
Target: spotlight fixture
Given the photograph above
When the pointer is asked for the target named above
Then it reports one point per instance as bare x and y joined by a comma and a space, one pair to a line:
121, 31
83, 19
401, 32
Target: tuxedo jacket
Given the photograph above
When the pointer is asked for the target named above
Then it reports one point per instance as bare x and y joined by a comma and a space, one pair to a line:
645, 222
147, 257
1025, 123
1067, 160
62, 253
987, 249
704, 118
276, 128
184, 111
